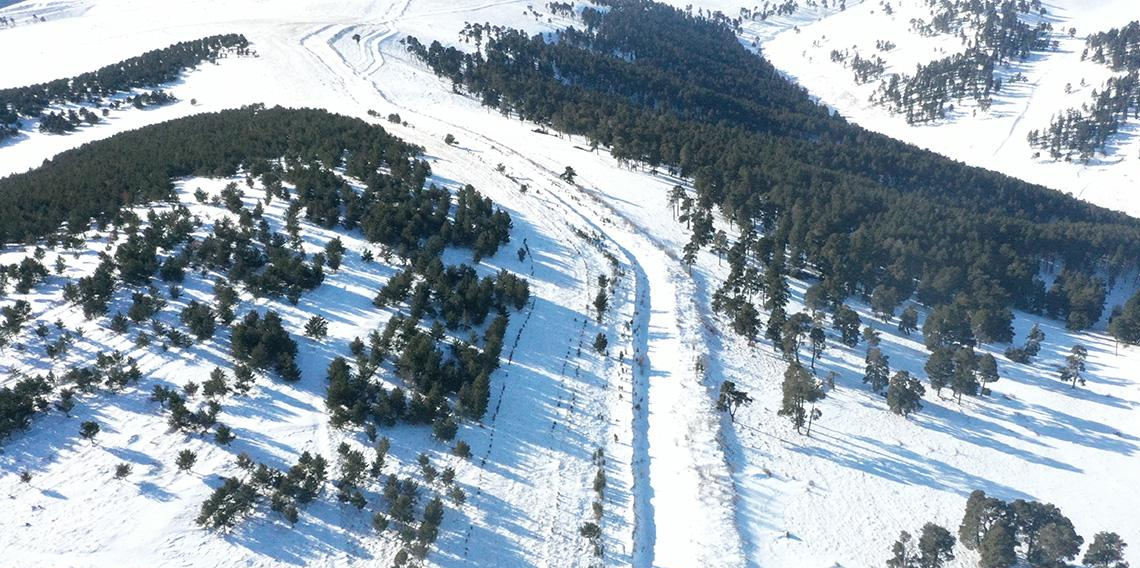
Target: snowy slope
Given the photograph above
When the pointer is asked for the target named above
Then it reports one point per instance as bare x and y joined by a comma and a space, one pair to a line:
685, 487
800, 45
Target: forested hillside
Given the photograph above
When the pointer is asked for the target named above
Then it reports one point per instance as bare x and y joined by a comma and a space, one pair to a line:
865, 211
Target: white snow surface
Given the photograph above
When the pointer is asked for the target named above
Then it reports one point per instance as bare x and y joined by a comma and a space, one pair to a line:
685, 486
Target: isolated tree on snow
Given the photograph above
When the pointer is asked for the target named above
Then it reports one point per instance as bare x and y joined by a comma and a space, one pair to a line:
1074, 368
799, 390
317, 327
1106, 551
878, 370
122, 470
731, 399
185, 460
904, 394
601, 342
568, 174
88, 430
792, 333
601, 301
676, 195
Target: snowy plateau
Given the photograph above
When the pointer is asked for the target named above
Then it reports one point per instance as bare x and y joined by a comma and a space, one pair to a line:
684, 484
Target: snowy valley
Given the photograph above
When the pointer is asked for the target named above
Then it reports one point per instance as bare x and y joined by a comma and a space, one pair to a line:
595, 382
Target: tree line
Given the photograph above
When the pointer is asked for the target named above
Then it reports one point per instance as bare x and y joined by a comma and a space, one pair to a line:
145, 71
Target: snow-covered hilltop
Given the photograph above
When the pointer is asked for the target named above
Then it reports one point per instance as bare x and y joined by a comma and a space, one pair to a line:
463, 336
823, 49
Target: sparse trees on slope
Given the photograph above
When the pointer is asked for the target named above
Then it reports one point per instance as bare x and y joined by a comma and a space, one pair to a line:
847, 322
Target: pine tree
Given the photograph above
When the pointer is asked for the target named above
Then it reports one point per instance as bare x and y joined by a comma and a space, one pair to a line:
88, 430
878, 371
1106, 551
317, 327
746, 322
904, 394
940, 369
847, 322
908, 321
818, 343
122, 470
731, 399
997, 549
987, 371
601, 301
799, 389
935, 546
1073, 369
478, 395
964, 381
185, 460
903, 554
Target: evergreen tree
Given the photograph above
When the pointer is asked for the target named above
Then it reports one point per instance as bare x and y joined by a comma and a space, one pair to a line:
601, 301
185, 460
800, 389
904, 394
987, 371
1074, 368
1125, 326
846, 322
997, 549
878, 371
1106, 551
122, 470
1057, 543
746, 322
478, 395
818, 343
903, 554
884, 300
88, 430
731, 399
964, 381
940, 368
935, 546
908, 320
317, 327
774, 331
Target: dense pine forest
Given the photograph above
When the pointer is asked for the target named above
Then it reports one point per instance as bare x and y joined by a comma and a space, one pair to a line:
1084, 132
860, 210
146, 71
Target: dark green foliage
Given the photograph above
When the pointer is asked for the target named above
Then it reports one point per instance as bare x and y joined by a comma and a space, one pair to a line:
758, 148
731, 399
444, 429
846, 322
224, 435
904, 394
947, 326
935, 546
940, 368
227, 504
19, 402
800, 389
1106, 551
878, 370
998, 548
1073, 371
186, 460
144, 71
122, 470
199, 319
262, 343
1125, 326
601, 342
317, 327
461, 449
88, 430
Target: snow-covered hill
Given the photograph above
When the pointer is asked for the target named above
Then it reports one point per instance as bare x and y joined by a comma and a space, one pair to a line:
1049, 82
685, 486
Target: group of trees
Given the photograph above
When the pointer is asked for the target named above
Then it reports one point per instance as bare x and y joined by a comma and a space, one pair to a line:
1083, 132
999, 35
860, 210
1039, 532
145, 71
